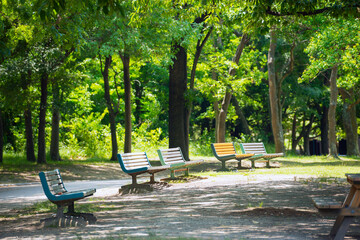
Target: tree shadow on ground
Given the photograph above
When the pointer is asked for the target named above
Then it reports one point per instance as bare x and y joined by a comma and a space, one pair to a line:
258, 209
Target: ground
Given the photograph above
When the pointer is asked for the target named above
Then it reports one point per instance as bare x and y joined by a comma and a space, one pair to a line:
237, 206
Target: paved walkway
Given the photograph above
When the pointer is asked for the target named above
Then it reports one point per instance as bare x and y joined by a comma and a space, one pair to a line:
21, 195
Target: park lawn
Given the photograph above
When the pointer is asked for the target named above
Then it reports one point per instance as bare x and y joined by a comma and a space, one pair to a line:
17, 169
317, 166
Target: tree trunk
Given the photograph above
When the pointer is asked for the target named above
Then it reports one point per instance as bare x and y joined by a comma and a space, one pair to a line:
307, 135
199, 47
30, 149
55, 125
350, 122
127, 83
139, 106
294, 139
1, 138
324, 128
226, 101
105, 73
276, 121
216, 107
42, 119
332, 112
222, 116
244, 126
177, 90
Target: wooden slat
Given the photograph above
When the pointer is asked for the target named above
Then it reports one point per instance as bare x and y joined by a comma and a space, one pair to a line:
224, 149
257, 148
326, 203
135, 160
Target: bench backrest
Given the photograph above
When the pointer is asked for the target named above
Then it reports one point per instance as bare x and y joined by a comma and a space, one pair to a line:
52, 183
130, 162
171, 156
223, 149
256, 148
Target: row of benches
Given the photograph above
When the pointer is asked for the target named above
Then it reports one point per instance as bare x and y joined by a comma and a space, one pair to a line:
135, 164
250, 151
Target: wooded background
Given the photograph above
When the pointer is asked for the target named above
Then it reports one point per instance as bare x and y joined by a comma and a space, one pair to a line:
93, 78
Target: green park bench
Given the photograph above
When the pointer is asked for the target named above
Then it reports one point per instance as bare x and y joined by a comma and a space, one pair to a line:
226, 151
260, 153
175, 158
56, 192
135, 164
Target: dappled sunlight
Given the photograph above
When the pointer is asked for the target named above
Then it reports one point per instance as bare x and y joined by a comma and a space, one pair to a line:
218, 207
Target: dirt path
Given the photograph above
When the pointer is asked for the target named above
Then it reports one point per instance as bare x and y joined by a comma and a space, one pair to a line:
223, 207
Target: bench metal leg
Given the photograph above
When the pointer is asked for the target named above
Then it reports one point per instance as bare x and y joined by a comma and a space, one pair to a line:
268, 164
133, 178
239, 164
172, 174
60, 211
187, 172
253, 164
223, 167
152, 178
71, 208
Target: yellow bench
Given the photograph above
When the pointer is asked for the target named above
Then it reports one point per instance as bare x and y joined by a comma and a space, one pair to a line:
226, 151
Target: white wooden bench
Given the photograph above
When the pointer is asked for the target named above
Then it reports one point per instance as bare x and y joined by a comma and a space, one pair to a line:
260, 152
135, 164
175, 158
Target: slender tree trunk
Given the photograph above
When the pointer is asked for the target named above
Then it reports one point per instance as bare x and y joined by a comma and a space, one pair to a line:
55, 125
307, 136
42, 119
30, 149
244, 126
222, 116
324, 128
226, 101
199, 47
294, 140
275, 108
350, 122
127, 83
139, 106
177, 90
105, 73
1, 138
216, 107
332, 112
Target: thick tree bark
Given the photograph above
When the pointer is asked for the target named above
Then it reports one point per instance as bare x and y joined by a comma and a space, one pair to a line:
276, 121
55, 125
1, 138
332, 112
30, 149
177, 90
350, 122
42, 119
226, 100
105, 73
127, 83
